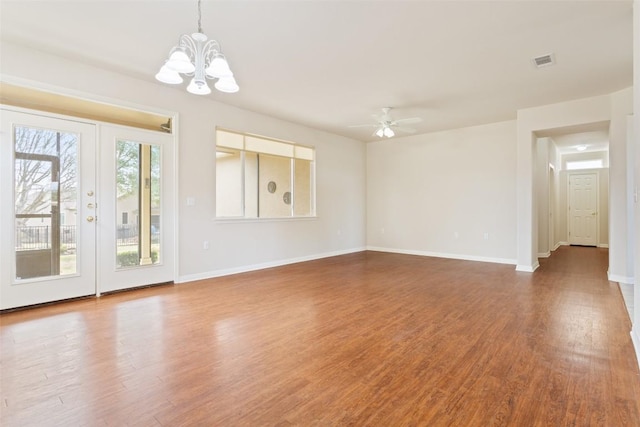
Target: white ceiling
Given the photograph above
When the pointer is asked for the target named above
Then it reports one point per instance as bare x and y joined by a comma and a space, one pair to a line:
594, 136
330, 64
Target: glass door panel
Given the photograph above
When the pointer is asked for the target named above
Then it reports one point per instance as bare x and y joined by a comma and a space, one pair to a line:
138, 209
46, 193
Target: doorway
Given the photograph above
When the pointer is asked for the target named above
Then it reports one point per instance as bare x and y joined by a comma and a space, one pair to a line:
59, 198
583, 209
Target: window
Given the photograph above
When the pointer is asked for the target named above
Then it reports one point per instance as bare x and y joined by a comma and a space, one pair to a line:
259, 177
585, 164
125, 218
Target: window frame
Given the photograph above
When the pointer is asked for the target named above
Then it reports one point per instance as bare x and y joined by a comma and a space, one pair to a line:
298, 152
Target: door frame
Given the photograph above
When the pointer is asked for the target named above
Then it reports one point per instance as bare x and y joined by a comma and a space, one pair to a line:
597, 188
174, 120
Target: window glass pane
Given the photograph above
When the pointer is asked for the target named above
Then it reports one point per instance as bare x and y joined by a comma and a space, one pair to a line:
256, 179
250, 185
303, 186
137, 204
228, 183
276, 170
585, 164
46, 197
127, 204
155, 203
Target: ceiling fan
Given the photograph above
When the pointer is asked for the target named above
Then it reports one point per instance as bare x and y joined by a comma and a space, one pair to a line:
387, 126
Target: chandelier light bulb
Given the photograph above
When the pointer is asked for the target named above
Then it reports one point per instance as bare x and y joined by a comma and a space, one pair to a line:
227, 85
179, 61
219, 67
167, 75
380, 132
388, 132
198, 87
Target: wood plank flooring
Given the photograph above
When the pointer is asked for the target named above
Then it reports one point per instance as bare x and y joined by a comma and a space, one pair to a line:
367, 339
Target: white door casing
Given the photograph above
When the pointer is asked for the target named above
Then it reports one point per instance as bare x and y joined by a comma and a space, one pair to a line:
583, 209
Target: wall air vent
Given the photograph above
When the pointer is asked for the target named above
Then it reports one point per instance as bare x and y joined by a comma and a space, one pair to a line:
544, 60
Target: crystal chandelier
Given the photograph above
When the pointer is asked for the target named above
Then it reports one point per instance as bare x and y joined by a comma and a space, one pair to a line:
201, 58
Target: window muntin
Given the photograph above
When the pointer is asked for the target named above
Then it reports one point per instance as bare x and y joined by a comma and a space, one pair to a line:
263, 178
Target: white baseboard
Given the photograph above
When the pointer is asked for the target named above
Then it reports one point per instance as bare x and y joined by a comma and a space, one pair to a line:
560, 244
261, 266
620, 279
528, 268
544, 255
603, 245
635, 338
444, 255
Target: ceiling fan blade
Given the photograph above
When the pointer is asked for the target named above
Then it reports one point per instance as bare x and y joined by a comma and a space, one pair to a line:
409, 121
403, 129
372, 125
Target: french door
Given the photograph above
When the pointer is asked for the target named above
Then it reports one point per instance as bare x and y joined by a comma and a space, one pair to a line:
84, 208
47, 209
136, 226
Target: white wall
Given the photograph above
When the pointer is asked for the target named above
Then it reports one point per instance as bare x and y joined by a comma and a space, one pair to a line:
613, 108
620, 261
636, 131
543, 148
423, 189
234, 246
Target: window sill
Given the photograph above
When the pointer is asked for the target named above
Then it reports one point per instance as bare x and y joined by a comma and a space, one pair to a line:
251, 220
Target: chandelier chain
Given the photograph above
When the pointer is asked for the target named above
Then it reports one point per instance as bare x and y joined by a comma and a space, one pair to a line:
199, 17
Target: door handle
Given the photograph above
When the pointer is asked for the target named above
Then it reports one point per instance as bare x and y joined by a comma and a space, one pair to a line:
90, 219
593, 213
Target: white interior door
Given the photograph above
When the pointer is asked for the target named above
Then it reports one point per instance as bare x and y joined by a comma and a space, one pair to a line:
47, 209
583, 211
136, 229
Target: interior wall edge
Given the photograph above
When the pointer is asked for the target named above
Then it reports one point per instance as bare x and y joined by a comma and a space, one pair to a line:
620, 279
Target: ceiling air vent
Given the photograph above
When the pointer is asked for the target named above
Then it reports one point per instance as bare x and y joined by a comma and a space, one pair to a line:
544, 60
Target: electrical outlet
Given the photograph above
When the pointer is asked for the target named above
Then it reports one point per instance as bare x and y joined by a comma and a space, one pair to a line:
205, 245
486, 236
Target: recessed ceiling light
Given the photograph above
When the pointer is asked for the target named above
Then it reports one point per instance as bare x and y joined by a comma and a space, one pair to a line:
581, 147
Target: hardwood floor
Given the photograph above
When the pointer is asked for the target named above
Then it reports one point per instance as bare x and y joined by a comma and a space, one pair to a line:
369, 339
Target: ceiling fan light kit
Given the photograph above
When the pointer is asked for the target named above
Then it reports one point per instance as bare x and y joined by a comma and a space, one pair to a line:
200, 58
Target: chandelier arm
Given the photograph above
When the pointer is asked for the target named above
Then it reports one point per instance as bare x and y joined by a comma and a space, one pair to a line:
189, 45
209, 50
